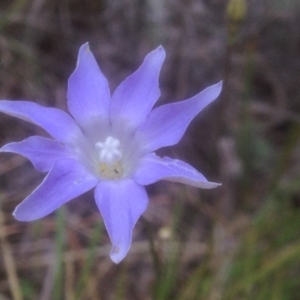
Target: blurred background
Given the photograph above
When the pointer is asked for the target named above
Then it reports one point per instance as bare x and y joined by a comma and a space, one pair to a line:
239, 241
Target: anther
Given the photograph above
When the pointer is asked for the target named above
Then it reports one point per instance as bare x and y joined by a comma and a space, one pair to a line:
110, 166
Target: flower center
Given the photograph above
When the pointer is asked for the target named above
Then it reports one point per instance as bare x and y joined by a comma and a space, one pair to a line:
110, 155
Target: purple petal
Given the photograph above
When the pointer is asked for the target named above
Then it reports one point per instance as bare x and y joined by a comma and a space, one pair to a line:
66, 180
40, 151
166, 124
153, 168
56, 122
88, 91
135, 96
121, 203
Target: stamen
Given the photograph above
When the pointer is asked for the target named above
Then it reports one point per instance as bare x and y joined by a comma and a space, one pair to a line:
114, 171
110, 155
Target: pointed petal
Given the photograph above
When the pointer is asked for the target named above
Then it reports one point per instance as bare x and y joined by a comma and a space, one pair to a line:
88, 91
121, 203
166, 124
66, 180
153, 168
135, 96
56, 122
40, 151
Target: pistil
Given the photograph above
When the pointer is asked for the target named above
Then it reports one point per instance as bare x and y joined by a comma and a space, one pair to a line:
110, 154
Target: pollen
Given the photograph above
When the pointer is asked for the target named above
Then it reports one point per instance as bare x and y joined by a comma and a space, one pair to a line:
111, 171
110, 154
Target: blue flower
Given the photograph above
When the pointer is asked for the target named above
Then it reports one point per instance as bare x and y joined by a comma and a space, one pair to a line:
107, 143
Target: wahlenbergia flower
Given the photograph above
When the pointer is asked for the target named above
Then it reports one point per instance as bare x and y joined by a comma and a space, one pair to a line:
108, 144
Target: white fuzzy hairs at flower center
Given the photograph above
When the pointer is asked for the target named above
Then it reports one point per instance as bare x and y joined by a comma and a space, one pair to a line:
110, 155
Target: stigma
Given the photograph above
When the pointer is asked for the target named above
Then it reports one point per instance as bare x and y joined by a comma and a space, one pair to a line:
110, 155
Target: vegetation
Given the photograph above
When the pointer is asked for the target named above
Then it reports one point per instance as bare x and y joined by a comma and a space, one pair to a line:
240, 241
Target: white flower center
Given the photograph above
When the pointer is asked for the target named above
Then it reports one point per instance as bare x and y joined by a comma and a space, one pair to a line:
109, 150
110, 155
